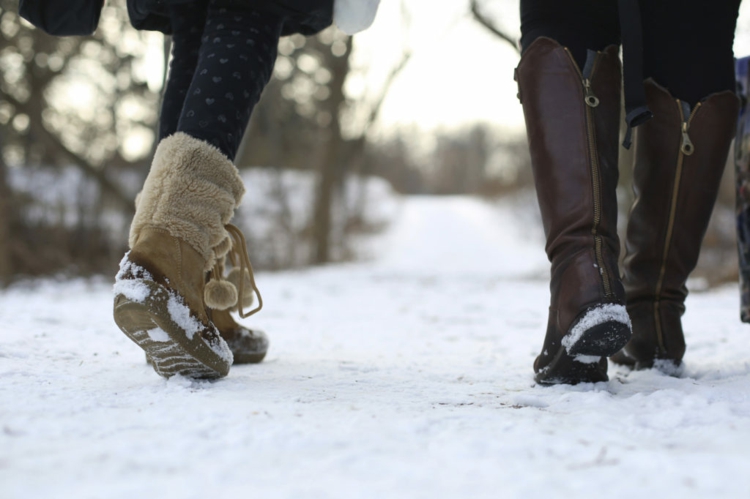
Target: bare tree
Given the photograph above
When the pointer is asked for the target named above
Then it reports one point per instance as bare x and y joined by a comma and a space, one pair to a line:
485, 21
73, 101
6, 267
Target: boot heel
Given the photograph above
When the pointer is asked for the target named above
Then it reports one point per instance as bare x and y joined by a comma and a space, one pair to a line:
157, 321
603, 340
568, 370
600, 331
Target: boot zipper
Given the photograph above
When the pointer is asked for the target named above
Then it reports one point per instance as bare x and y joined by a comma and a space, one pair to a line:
686, 149
592, 101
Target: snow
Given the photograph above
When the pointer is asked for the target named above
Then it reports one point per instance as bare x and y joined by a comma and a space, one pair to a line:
158, 335
409, 376
586, 359
132, 289
275, 213
180, 314
593, 317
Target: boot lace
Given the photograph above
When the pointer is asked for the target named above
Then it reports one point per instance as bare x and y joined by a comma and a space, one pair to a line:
239, 258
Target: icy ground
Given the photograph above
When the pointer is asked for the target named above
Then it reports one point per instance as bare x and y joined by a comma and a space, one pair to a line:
405, 377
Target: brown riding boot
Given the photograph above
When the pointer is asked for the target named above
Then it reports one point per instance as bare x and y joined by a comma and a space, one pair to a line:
572, 122
178, 234
679, 160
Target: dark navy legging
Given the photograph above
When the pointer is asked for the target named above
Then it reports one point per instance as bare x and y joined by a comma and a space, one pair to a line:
687, 44
223, 53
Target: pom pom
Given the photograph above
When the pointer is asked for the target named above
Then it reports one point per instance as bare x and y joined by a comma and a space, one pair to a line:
220, 295
248, 295
221, 249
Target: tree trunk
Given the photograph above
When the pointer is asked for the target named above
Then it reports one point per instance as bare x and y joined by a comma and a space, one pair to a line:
330, 167
6, 265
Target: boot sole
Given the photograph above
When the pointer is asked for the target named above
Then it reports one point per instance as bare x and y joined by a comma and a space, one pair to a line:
586, 360
603, 340
149, 324
566, 370
255, 358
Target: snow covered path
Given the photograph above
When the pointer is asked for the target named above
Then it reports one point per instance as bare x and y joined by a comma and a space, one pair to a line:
409, 376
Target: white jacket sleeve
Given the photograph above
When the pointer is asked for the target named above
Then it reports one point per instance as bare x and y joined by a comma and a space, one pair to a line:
353, 16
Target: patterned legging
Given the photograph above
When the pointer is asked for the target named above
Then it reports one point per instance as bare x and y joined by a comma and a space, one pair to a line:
223, 54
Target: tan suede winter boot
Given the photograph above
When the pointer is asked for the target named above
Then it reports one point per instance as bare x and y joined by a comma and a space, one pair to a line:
572, 122
679, 160
178, 234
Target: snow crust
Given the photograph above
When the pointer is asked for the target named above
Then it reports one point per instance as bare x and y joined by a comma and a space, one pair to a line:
158, 335
587, 359
593, 317
383, 380
132, 289
180, 314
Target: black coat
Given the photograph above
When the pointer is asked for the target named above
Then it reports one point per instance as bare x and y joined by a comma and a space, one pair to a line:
300, 16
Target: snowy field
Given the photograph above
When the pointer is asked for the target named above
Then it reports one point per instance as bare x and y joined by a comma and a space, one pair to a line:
405, 377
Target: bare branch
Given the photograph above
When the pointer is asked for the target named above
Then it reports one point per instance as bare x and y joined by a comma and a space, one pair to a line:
487, 23
392, 75
49, 139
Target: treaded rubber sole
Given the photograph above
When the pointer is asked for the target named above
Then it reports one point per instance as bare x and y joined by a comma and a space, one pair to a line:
580, 364
239, 358
171, 350
564, 369
604, 339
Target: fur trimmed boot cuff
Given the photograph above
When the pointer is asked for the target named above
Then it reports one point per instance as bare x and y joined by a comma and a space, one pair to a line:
191, 191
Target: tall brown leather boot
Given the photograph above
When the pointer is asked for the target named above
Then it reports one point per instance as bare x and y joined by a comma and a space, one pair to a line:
572, 121
679, 160
179, 233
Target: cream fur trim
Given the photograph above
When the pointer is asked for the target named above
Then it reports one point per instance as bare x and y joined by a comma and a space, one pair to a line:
191, 191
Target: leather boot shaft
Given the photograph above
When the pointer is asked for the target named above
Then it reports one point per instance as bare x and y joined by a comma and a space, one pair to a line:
573, 149
572, 121
680, 156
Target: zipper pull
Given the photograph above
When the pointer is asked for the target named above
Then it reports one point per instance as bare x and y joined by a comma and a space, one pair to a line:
687, 147
589, 97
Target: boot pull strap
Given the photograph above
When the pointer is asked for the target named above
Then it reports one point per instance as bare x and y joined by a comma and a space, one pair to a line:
238, 256
636, 108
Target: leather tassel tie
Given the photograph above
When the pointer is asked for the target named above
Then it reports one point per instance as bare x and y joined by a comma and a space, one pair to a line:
233, 292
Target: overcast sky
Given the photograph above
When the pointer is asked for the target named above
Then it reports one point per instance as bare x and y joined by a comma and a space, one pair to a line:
459, 73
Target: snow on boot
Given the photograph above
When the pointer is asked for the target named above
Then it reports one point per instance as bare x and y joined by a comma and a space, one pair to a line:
572, 123
679, 160
177, 236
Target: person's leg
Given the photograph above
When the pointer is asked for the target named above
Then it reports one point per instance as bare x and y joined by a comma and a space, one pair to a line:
688, 46
679, 160
235, 63
579, 25
572, 108
181, 233
188, 21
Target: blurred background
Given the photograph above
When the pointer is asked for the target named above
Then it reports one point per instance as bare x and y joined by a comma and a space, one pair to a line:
423, 103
